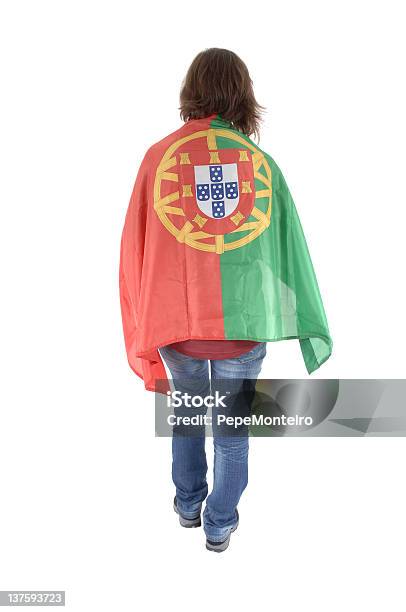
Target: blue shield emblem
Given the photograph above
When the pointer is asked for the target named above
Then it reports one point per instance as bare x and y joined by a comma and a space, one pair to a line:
217, 192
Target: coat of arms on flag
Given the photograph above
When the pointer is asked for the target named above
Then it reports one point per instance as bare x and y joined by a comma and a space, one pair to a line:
213, 198
217, 191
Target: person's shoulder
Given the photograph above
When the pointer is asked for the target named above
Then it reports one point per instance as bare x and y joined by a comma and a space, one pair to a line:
254, 145
278, 179
158, 148
269, 158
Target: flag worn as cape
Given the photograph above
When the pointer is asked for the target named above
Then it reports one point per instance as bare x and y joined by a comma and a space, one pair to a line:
212, 248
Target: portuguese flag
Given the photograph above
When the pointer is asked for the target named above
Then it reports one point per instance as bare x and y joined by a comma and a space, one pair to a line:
212, 248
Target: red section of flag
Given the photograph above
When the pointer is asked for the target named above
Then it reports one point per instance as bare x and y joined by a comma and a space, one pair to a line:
159, 274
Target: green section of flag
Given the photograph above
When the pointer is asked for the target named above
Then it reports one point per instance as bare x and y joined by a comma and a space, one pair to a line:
269, 288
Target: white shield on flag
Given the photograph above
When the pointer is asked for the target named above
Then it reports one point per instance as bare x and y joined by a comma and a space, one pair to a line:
217, 190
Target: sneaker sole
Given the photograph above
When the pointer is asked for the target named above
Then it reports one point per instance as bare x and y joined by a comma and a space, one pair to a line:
185, 522
221, 546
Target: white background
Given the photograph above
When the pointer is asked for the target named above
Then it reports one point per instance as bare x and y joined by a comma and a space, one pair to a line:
85, 487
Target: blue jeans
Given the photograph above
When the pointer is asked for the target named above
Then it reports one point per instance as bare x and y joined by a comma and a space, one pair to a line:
189, 466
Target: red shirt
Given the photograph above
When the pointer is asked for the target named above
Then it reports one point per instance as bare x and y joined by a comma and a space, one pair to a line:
213, 349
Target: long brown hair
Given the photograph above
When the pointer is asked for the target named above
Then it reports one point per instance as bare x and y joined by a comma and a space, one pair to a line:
218, 82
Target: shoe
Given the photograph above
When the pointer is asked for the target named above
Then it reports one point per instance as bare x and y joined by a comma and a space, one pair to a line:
223, 545
186, 522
